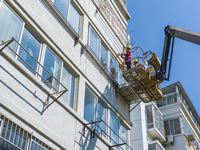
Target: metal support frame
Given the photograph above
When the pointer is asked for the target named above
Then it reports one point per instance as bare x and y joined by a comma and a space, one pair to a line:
6, 44
89, 124
135, 106
107, 134
110, 147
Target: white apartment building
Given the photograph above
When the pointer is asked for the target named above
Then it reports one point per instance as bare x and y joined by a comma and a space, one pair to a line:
171, 123
60, 74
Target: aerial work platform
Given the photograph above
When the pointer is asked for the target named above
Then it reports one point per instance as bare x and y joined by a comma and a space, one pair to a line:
140, 85
145, 86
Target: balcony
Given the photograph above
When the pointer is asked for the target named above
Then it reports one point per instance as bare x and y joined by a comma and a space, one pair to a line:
155, 145
155, 122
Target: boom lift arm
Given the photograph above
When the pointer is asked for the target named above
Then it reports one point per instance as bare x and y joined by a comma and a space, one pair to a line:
171, 33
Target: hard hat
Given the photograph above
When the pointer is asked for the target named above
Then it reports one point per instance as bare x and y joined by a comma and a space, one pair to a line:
135, 60
128, 47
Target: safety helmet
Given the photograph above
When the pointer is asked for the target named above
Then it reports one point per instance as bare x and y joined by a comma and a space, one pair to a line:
135, 60
128, 47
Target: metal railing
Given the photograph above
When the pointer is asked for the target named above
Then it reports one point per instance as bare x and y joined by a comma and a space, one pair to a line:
107, 135
17, 137
56, 92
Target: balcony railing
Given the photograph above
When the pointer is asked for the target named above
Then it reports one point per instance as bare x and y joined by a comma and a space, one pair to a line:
95, 126
14, 137
155, 122
155, 146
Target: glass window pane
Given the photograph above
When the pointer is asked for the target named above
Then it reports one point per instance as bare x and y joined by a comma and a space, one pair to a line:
62, 6
90, 105
177, 129
149, 117
170, 100
94, 42
161, 102
53, 66
68, 80
32, 45
123, 135
74, 17
121, 78
10, 26
171, 127
114, 125
101, 112
113, 67
166, 124
103, 58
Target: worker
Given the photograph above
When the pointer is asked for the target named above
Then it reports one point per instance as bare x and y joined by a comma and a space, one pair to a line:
151, 71
135, 63
127, 56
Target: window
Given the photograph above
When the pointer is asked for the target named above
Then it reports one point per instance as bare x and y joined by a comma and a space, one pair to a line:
31, 49
90, 105
94, 110
94, 42
172, 127
114, 125
121, 78
10, 25
71, 13
98, 47
123, 135
69, 81
13, 137
32, 45
149, 117
53, 66
167, 100
113, 67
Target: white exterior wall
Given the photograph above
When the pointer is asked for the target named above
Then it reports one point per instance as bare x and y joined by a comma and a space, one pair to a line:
139, 136
23, 96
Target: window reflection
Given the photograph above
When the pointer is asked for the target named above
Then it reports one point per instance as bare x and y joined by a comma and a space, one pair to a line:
94, 42
62, 6
74, 17
103, 58
101, 112
114, 124
90, 105
32, 45
10, 26
113, 67
53, 66
68, 80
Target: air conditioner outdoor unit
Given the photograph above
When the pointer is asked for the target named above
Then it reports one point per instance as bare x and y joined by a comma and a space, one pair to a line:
169, 140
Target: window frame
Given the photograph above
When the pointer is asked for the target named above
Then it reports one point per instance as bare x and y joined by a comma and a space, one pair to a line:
70, 2
172, 127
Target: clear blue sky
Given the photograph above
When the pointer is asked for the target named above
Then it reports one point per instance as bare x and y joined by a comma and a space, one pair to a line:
146, 26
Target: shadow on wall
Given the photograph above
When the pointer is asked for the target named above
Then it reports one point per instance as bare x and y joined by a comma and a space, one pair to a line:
26, 89
86, 143
109, 93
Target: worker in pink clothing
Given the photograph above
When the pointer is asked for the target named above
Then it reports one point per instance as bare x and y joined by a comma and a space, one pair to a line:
127, 56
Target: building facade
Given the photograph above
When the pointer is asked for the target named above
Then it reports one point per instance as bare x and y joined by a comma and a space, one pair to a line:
168, 124
60, 73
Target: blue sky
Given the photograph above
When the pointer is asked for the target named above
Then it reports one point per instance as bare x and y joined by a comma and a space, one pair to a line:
146, 26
